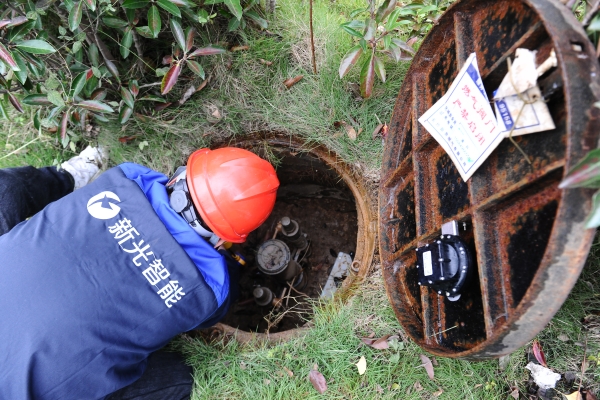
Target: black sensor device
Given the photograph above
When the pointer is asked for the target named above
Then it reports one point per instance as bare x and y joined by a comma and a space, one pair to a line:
445, 264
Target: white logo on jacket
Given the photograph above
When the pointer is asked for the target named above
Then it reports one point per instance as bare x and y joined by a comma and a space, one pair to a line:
102, 205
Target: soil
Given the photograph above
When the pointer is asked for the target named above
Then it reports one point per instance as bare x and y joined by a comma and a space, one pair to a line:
327, 214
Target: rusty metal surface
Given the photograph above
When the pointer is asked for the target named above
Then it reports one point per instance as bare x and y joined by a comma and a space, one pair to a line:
528, 235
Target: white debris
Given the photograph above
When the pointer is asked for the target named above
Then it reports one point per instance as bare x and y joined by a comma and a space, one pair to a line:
543, 377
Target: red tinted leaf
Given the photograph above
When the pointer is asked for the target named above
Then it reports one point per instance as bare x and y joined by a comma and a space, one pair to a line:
377, 130
125, 114
127, 139
112, 68
17, 21
170, 79
4, 23
367, 77
160, 107
98, 94
539, 353
385, 9
134, 88
167, 60
380, 69
318, 381
75, 16
292, 81
585, 174
382, 342
196, 68
13, 100
91, 4
95, 105
427, 364
37, 100
127, 97
8, 58
349, 60
154, 22
208, 51
63, 124
412, 41
189, 39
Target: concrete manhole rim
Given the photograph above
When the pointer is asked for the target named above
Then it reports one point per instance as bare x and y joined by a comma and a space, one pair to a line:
366, 209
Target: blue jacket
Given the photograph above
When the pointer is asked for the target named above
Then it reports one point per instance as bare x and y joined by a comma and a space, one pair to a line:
97, 281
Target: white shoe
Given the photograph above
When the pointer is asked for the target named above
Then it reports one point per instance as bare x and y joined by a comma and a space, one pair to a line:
85, 167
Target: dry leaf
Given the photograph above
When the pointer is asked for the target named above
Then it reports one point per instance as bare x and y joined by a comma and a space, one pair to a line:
539, 353
379, 389
478, 385
427, 364
563, 337
188, 93
515, 394
377, 130
267, 381
361, 365
503, 362
216, 114
202, 85
243, 365
371, 335
318, 381
316, 367
290, 373
412, 41
351, 132
292, 81
239, 48
384, 130
267, 63
574, 396
418, 386
589, 395
434, 361
438, 393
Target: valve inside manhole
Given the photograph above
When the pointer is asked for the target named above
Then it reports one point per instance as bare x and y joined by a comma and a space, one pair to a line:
309, 239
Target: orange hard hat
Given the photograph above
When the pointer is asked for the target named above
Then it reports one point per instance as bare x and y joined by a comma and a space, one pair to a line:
233, 189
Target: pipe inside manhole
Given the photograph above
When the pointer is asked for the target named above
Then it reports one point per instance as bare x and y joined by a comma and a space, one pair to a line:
323, 214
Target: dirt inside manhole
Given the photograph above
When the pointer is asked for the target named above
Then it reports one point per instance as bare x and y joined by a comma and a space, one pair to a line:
314, 196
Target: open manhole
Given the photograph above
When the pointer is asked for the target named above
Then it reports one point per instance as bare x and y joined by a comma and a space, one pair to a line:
322, 221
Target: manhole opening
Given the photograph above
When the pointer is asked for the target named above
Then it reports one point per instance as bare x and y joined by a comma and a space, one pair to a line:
318, 199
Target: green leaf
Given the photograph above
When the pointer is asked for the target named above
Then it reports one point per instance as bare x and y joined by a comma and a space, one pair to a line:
36, 120
113, 22
349, 60
387, 42
402, 44
253, 15
351, 31
178, 33
75, 16
95, 106
593, 219
91, 4
52, 83
594, 26
154, 22
126, 43
379, 69
196, 68
90, 85
99, 94
55, 98
36, 100
3, 112
15, 103
93, 54
127, 97
392, 21
202, 16
235, 8
125, 114
76, 47
134, 88
585, 174
36, 46
131, 4
145, 32
152, 97
78, 84
21, 74
62, 30
367, 77
233, 24
370, 29
356, 12
63, 127
168, 6
20, 31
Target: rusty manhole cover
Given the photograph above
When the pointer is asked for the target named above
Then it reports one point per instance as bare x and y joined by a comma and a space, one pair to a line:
528, 236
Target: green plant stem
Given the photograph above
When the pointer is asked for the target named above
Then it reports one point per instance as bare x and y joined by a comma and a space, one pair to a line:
20, 148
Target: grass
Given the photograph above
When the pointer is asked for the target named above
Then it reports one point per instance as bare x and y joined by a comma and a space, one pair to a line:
250, 97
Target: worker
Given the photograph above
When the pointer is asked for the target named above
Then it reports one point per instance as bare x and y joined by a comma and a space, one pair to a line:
100, 278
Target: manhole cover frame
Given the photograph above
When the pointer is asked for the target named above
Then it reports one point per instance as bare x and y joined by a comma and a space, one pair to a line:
408, 158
